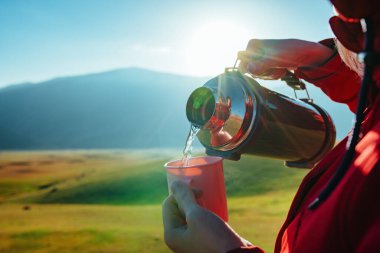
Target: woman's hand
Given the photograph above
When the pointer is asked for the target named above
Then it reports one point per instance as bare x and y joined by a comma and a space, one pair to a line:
269, 59
191, 228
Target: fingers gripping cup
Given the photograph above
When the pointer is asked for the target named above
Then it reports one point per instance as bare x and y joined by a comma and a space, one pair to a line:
205, 174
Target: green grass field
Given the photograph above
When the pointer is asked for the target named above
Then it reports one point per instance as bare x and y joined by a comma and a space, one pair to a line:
110, 201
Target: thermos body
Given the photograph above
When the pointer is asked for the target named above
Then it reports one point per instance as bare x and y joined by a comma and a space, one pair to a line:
239, 116
289, 129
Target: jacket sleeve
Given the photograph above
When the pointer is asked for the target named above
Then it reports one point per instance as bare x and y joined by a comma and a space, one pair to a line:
370, 242
361, 220
248, 249
334, 78
364, 216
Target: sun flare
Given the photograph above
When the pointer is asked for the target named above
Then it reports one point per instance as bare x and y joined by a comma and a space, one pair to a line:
214, 46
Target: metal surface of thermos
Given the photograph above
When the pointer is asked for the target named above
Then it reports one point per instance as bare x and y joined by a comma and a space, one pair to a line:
239, 116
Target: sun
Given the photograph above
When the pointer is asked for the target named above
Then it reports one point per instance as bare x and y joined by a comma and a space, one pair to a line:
214, 46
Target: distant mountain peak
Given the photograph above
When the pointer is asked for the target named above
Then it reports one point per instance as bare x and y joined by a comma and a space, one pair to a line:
121, 108
127, 72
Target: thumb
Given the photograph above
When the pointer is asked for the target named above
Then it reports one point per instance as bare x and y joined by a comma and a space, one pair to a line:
184, 196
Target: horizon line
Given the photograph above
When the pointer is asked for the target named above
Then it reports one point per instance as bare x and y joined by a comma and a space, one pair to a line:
96, 72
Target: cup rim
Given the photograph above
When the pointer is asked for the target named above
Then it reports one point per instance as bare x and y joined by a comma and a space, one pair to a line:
215, 159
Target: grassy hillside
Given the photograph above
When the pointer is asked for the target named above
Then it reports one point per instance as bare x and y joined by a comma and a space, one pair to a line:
116, 177
111, 201
110, 228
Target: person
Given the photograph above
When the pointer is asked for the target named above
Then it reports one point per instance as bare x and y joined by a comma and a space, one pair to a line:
347, 219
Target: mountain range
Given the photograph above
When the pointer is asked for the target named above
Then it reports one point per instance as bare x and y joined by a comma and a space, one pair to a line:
124, 108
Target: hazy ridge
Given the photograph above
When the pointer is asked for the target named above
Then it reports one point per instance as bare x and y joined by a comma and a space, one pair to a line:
125, 108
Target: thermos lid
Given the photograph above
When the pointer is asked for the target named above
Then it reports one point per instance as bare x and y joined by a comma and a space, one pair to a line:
200, 106
225, 109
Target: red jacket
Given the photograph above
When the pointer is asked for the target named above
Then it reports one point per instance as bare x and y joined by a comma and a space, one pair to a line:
349, 220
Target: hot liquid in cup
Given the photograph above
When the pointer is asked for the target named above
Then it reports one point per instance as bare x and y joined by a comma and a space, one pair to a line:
205, 174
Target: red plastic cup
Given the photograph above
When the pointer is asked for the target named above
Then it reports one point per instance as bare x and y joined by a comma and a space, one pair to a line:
205, 174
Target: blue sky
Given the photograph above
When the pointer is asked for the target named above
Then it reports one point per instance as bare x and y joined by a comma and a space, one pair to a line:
46, 39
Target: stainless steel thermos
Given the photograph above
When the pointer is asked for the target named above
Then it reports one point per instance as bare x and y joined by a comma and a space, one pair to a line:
239, 116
